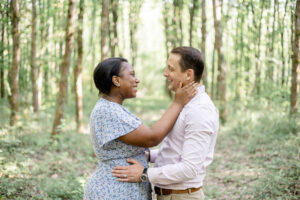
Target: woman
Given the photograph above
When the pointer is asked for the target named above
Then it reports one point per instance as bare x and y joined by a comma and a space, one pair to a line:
117, 134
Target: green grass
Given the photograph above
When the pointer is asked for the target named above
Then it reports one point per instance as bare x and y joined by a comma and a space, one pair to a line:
256, 156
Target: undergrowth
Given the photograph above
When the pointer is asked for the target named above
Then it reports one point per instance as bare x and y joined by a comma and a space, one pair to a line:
258, 153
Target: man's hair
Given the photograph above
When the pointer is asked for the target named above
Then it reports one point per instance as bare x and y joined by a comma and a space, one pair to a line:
191, 58
104, 72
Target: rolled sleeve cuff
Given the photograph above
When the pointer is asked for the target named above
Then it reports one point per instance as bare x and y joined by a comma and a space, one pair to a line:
153, 155
152, 173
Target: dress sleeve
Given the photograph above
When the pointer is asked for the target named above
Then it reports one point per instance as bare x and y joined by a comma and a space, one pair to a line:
113, 122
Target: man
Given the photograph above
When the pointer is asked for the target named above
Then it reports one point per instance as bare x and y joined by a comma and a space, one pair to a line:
181, 161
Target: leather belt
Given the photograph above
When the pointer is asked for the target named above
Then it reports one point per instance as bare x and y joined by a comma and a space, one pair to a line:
161, 191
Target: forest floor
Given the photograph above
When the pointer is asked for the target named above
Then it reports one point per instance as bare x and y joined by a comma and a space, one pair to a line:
256, 156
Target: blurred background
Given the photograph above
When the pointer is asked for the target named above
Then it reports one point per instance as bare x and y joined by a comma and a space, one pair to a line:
49, 49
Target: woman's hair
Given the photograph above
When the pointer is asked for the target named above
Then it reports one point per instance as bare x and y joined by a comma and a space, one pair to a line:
104, 72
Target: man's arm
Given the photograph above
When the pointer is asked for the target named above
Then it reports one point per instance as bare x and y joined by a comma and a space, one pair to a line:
198, 138
186, 169
195, 150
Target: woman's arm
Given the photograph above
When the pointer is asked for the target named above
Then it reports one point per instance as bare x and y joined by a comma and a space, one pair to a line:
145, 136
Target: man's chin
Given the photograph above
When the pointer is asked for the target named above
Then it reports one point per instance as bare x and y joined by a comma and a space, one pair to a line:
171, 88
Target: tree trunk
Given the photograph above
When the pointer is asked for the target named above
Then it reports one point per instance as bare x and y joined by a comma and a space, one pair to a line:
203, 44
134, 11
34, 73
14, 72
41, 51
282, 45
213, 75
64, 69
114, 41
177, 24
257, 82
296, 63
221, 62
104, 29
192, 14
2, 91
78, 71
168, 38
271, 47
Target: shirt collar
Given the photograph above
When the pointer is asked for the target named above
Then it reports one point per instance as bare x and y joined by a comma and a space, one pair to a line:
200, 89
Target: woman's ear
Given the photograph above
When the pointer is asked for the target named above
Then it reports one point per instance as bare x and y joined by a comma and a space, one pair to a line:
116, 81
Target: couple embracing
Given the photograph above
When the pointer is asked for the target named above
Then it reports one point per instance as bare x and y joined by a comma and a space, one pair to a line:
188, 131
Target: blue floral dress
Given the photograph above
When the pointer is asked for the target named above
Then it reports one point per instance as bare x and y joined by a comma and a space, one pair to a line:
108, 122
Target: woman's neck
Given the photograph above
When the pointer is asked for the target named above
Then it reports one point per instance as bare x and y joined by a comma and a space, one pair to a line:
113, 98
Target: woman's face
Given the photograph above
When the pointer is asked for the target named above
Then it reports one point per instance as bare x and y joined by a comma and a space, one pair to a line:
128, 81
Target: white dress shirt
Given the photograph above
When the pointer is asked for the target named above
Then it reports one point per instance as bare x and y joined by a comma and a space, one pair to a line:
181, 161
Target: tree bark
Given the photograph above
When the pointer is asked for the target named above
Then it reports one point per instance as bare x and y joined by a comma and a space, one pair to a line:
134, 11
114, 41
104, 29
203, 44
282, 45
296, 63
14, 72
257, 82
78, 71
271, 47
64, 69
221, 62
34, 72
192, 15
41, 50
2, 91
176, 23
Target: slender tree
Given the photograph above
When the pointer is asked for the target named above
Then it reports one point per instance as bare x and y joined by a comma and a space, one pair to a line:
203, 43
296, 63
281, 24
78, 70
193, 9
177, 22
256, 87
2, 91
14, 72
64, 69
221, 61
114, 41
270, 65
34, 72
167, 24
104, 29
134, 11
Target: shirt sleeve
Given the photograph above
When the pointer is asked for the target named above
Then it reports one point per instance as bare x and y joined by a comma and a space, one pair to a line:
198, 136
112, 123
153, 155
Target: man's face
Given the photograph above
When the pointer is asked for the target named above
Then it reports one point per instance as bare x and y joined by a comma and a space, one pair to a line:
173, 72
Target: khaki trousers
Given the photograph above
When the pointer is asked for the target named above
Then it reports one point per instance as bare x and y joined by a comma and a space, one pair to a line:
198, 195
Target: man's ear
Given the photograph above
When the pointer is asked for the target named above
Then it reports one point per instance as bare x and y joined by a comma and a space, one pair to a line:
116, 81
190, 74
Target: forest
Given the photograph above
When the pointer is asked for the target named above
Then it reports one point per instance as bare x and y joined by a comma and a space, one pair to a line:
49, 49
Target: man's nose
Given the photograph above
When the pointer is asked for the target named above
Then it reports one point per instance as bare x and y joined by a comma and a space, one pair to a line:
166, 72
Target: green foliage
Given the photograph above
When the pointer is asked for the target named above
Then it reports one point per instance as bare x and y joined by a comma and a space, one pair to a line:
260, 152
33, 166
